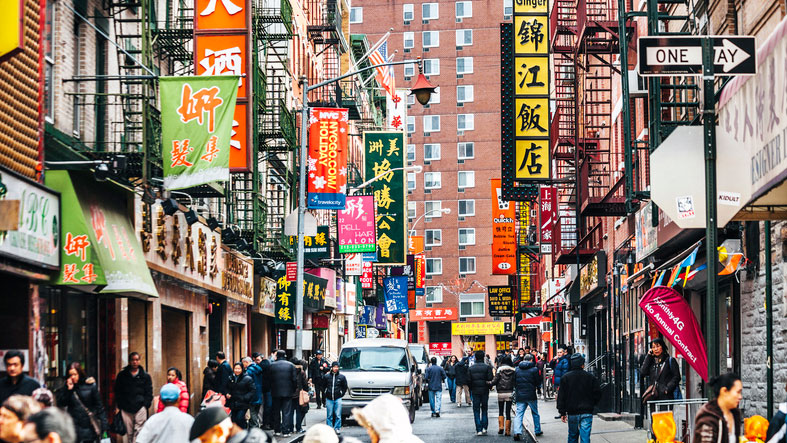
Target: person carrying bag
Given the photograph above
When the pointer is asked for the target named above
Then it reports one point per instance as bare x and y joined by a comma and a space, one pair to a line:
662, 371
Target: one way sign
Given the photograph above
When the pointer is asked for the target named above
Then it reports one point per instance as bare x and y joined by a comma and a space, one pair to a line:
665, 56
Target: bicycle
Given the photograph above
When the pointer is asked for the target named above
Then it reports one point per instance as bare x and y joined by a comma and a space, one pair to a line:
548, 391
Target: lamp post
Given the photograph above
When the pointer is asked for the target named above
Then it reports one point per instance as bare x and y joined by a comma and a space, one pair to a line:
417, 169
422, 91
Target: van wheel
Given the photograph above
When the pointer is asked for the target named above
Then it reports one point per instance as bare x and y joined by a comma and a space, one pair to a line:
412, 410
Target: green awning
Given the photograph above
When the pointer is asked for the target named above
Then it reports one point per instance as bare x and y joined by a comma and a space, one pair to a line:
100, 251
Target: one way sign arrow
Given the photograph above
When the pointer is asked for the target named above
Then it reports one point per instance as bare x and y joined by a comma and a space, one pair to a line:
665, 56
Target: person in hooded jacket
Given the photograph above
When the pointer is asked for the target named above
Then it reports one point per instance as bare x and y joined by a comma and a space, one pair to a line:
719, 420
335, 385
577, 398
386, 420
241, 392
254, 371
209, 377
561, 366
480, 378
175, 377
662, 371
462, 382
81, 400
504, 382
527, 382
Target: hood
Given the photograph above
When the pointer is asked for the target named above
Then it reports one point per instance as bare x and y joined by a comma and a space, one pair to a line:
505, 368
526, 365
207, 370
388, 418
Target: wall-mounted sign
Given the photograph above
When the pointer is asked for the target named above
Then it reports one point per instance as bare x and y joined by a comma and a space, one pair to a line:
645, 237
316, 247
266, 304
547, 218
395, 295
385, 157
367, 275
441, 349
501, 301
434, 314
484, 328
353, 264
593, 276
503, 233
356, 225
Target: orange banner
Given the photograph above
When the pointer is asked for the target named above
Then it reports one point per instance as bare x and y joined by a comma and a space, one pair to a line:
416, 244
503, 233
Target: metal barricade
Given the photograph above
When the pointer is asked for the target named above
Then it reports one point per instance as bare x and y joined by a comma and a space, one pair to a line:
683, 412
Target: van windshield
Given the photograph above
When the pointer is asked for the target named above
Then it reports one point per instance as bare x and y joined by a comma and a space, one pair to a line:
373, 359
419, 352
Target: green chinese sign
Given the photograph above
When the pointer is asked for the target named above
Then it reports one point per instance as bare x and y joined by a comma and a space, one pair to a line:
314, 289
384, 153
316, 247
196, 126
314, 292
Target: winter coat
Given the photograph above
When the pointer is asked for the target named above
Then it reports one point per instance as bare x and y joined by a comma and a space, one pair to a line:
527, 381
462, 374
133, 392
183, 403
265, 364
25, 386
778, 425
241, 391
505, 380
208, 381
664, 372
540, 365
579, 392
710, 425
255, 372
88, 395
283, 379
480, 377
317, 368
434, 376
450, 370
561, 367
301, 383
223, 374
335, 385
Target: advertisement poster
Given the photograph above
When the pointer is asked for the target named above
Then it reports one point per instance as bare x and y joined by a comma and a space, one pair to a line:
395, 294
503, 233
356, 225
367, 275
353, 264
327, 187
385, 159
501, 301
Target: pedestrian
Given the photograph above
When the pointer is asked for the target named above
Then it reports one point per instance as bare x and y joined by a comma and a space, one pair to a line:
283, 382
435, 376
172, 424
480, 375
335, 388
209, 377
241, 391
662, 371
254, 370
133, 396
386, 420
527, 383
450, 373
561, 366
175, 377
463, 382
576, 399
520, 357
15, 382
44, 397
504, 382
13, 413
318, 367
301, 384
267, 401
777, 427
223, 373
83, 403
50, 425
720, 419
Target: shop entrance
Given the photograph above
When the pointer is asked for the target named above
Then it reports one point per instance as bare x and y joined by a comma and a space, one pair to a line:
236, 342
215, 329
175, 341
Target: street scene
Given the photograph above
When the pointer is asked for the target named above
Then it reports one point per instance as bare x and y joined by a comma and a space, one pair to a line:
390, 221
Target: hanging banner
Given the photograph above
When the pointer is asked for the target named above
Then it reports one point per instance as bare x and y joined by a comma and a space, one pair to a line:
416, 244
395, 295
285, 301
314, 248
327, 158
353, 264
501, 301
503, 233
396, 105
196, 124
420, 274
670, 313
385, 158
410, 272
547, 217
367, 275
356, 225
523, 262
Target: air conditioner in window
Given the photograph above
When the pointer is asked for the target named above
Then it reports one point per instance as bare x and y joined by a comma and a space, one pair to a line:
638, 85
407, 22
460, 133
459, 20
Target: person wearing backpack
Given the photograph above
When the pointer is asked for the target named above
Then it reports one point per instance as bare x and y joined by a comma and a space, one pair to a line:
662, 371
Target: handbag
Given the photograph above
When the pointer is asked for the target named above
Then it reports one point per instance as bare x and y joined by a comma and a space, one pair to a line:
652, 390
118, 426
303, 398
94, 422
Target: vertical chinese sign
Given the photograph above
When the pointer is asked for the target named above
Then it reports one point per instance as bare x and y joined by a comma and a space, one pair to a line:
397, 109
327, 187
385, 158
503, 235
356, 225
222, 46
547, 217
523, 271
285, 301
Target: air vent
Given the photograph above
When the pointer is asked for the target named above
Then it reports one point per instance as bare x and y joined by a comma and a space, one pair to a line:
424, 22
407, 51
460, 105
461, 218
459, 48
427, 191
427, 134
462, 190
460, 133
426, 49
407, 22
461, 162
459, 20
460, 76
462, 319
461, 247
407, 78
427, 162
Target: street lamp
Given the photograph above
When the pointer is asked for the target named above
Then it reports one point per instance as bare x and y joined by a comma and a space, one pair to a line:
417, 169
422, 90
441, 210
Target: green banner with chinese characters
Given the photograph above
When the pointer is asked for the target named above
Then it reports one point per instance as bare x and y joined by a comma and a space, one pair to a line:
316, 247
196, 126
384, 152
314, 292
285, 301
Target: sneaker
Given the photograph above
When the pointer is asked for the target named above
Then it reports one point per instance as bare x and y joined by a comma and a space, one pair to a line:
484, 431
517, 437
459, 405
539, 433
479, 433
286, 435
277, 434
437, 414
558, 417
433, 414
319, 407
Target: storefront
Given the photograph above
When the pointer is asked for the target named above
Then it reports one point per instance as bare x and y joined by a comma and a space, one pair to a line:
263, 331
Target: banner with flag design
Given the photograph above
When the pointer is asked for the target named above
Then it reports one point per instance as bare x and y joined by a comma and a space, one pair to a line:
384, 73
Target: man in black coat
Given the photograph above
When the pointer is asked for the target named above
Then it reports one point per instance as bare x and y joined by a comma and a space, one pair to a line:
16, 382
284, 379
223, 374
463, 381
527, 382
579, 393
318, 367
335, 388
480, 376
133, 395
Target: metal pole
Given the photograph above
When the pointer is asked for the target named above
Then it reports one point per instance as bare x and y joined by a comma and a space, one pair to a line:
709, 127
301, 216
769, 319
625, 111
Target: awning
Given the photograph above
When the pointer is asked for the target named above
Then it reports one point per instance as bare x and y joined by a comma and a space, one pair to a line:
533, 322
100, 250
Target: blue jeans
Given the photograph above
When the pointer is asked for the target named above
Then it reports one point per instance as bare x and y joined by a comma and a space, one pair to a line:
267, 410
521, 407
333, 417
579, 427
480, 407
435, 400
451, 382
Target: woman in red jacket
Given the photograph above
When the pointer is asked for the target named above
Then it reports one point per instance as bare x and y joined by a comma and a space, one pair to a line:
175, 377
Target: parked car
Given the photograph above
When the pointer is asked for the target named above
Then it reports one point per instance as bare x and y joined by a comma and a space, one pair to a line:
377, 366
421, 356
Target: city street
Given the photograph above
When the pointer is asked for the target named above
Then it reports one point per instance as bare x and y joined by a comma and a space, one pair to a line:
456, 425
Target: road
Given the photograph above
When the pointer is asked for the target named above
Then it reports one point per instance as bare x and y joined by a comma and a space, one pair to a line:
456, 425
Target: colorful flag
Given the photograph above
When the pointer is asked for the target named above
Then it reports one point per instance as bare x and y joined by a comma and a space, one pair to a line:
732, 265
384, 73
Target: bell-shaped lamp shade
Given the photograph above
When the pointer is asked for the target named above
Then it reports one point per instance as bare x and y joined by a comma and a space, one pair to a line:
422, 89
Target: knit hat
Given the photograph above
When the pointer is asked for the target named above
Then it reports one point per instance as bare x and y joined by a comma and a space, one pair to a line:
208, 418
169, 393
336, 363
576, 360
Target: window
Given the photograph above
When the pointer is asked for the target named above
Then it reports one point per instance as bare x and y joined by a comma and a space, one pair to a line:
432, 180
412, 208
466, 179
464, 93
410, 124
431, 151
434, 98
432, 66
411, 181
466, 208
431, 123
409, 42
429, 11
410, 150
409, 70
434, 266
49, 60
464, 65
356, 15
465, 122
408, 13
471, 305
466, 236
467, 265
433, 209
411, 99
433, 237
465, 150
430, 39
434, 294
464, 37
464, 9
508, 8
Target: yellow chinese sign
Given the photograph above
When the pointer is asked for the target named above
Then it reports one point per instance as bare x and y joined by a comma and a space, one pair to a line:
531, 157
531, 6
385, 161
285, 301
477, 328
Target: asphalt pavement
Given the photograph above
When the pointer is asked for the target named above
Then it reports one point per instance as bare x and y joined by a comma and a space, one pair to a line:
456, 425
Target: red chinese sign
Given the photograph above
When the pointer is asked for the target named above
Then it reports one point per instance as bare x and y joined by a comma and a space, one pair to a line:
292, 271
434, 314
367, 275
441, 349
327, 187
